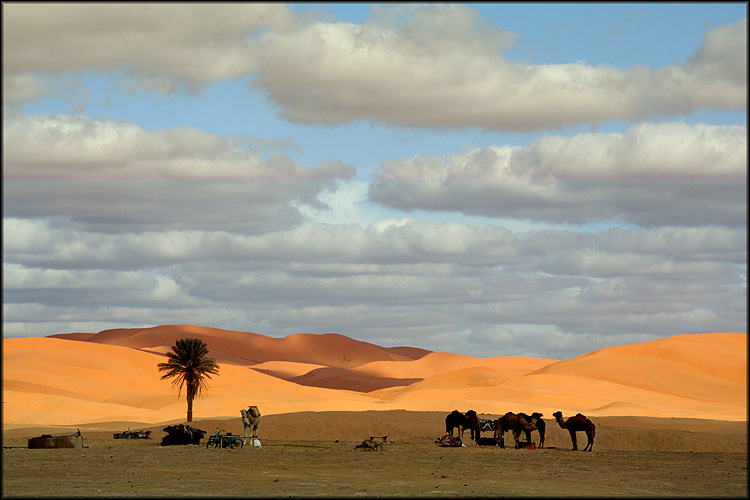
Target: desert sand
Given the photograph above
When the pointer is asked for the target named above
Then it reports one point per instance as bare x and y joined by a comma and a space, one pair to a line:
671, 418
112, 376
313, 454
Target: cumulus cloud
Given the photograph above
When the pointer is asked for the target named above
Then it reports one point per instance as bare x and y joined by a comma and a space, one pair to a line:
158, 45
653, 174
396, 282
109, 225
723, 54
116, 175
438, 67
414, 66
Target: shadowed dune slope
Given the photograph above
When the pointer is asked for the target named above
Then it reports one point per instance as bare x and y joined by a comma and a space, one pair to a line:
246, 348
112, 376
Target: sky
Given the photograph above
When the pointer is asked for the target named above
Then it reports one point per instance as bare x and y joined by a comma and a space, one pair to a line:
488, 179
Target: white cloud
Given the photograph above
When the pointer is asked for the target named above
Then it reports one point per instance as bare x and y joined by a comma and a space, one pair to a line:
723, 55
653, 174
109, 225
414, 66
115, 174
454, 75
159, 45
403, 282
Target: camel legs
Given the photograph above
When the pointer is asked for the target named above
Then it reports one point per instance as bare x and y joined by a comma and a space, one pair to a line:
589, 439
590, 443
517, 438
253, 434
528, 435
573, 438
461, 430
541, 437
500, 436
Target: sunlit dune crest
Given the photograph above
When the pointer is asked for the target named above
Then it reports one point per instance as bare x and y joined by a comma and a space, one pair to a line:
251, 348
112, 376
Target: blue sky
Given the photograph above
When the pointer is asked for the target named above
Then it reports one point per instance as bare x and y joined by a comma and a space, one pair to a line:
484, 179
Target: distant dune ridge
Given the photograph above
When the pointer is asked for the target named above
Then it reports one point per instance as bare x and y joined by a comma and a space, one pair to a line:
111, 376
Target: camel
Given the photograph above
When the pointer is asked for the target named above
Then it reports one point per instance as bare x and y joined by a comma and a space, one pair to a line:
514, 423
577, 423
251, 420
541, 426
471, 422
455, 419
182, 434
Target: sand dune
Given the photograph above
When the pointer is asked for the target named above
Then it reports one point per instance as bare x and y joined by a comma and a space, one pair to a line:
70, 379
251, 348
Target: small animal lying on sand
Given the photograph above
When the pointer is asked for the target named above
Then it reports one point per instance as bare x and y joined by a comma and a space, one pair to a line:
373, 443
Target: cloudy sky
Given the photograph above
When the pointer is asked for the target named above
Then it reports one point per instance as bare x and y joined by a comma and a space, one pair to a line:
484, 179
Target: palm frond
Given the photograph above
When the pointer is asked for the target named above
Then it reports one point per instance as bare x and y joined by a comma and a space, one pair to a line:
189, 366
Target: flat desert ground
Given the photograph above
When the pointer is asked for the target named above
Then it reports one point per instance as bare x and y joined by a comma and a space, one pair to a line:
313, 454
670, 418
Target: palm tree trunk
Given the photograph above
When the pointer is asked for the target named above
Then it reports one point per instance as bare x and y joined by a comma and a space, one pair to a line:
190, 409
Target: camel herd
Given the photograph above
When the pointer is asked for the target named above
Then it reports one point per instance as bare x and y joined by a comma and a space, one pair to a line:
519, 423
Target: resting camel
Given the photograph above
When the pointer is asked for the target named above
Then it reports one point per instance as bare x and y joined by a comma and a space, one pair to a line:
541, 426
251, 420
455, 419
182, 434
471, 422
514, 423
577, 423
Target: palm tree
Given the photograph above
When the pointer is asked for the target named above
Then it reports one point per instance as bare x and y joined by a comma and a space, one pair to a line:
190, 367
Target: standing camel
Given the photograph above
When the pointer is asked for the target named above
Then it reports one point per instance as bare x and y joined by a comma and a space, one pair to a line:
541, 426
514, 423
251, 420
471, 422
577, 423
455, 419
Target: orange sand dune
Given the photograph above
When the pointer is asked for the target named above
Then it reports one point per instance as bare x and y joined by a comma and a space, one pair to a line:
440, 362
251, 348
683, 376
383, 374
112, 376
285, 369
